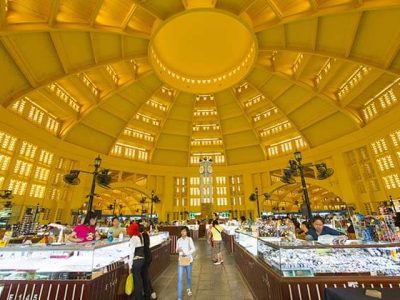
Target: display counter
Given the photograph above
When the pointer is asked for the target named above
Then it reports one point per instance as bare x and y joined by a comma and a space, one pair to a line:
228, 237
302, 270
92, 270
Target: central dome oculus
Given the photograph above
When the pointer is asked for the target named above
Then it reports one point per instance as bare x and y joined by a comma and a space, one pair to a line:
202, 51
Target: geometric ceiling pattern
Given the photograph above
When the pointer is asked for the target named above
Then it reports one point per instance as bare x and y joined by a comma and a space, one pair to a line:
84, 72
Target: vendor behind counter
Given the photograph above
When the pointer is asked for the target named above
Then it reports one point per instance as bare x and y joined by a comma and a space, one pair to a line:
318, 228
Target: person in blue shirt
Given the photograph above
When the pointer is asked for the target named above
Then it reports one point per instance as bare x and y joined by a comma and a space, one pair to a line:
319, 228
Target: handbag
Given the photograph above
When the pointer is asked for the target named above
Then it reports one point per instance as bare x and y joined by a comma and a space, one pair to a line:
129, 286
184, 260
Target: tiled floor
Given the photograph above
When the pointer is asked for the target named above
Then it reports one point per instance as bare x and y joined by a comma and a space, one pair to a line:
222, 282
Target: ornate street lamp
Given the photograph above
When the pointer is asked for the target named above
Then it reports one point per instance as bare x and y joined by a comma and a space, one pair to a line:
6, 194
296, 168
254, 197
154, 199
101, 176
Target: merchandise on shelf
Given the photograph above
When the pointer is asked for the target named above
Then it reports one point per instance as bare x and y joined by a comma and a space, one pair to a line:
375, 228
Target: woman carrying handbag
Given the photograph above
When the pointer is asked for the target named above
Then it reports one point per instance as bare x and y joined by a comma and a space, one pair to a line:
136, 260
185, 247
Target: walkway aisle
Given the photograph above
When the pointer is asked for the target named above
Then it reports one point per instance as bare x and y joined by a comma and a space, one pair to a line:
209, 282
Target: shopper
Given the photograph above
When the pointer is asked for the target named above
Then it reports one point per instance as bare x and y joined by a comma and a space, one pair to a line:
318, 228
210, 241
136, 259
185, 247
149, 293
85, 232
116, 228
216, 231
215, 216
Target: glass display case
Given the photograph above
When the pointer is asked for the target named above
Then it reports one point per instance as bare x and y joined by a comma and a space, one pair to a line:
302, 259
247, 241
65, 262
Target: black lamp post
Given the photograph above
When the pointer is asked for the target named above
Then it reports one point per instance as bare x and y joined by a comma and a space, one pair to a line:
97, 163
100, 176
151, 208
392, 204
298, 157
296, 168
154, 199
113, 206
254, 197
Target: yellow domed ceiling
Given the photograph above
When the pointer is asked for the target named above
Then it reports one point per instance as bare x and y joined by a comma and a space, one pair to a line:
168, 81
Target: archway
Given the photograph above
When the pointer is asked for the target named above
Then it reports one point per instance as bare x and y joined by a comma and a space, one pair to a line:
126, 196
289, 197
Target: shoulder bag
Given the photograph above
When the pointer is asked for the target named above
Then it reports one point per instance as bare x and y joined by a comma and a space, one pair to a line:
184, 260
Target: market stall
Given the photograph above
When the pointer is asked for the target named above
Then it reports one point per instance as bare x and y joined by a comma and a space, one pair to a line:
278, 270
93, 270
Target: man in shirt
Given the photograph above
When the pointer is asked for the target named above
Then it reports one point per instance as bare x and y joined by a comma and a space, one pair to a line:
116, 229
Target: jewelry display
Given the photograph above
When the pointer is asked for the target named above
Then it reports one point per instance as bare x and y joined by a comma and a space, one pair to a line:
70, 261
313, 259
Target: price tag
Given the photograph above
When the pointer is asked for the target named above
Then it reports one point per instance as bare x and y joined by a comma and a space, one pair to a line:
3, 243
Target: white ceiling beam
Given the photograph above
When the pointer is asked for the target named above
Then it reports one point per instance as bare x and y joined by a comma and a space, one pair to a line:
95, 12
61, 53
356, 118
128, 16
93, 46
248, 119
284, 37
315, 34
271, 101
247, 6
353, 35
101, 102
20, 61
327, 54
53, 12
76, 71
157, 136
392, 52
11, 29
313, 5
344, 8
3, 13
275, 9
